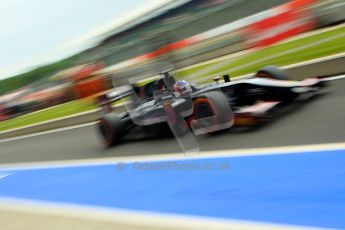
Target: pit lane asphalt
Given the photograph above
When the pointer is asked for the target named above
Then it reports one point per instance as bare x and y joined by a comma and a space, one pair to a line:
321, 120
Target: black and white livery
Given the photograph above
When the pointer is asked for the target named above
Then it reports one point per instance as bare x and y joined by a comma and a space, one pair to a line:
158, 106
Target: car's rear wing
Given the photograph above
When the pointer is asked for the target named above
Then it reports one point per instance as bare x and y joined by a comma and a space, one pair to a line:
106, 100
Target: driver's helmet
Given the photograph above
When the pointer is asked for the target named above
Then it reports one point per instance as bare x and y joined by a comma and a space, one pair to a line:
182, 88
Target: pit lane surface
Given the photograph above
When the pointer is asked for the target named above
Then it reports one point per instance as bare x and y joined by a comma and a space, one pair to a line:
291, 189
320, 120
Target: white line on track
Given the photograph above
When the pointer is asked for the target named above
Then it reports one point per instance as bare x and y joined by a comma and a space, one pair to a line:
296, 149
334, 78
48, 132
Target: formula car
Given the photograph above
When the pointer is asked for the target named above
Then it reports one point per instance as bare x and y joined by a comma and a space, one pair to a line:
166, 104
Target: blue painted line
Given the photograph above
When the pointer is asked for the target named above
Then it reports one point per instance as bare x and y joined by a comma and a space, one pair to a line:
299, 189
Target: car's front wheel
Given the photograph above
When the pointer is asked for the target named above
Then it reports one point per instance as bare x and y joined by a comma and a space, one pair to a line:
211, 113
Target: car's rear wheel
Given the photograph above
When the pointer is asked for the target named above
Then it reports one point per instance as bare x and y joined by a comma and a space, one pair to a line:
111, 128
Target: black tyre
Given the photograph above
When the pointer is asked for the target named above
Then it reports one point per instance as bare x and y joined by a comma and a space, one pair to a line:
272, 72
212, 113
111, 128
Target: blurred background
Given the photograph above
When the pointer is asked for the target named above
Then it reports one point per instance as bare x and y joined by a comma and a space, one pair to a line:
181, 33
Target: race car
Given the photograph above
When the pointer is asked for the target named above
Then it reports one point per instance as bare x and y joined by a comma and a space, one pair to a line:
166, 105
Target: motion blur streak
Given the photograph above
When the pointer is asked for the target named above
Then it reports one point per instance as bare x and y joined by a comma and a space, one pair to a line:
283, 173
